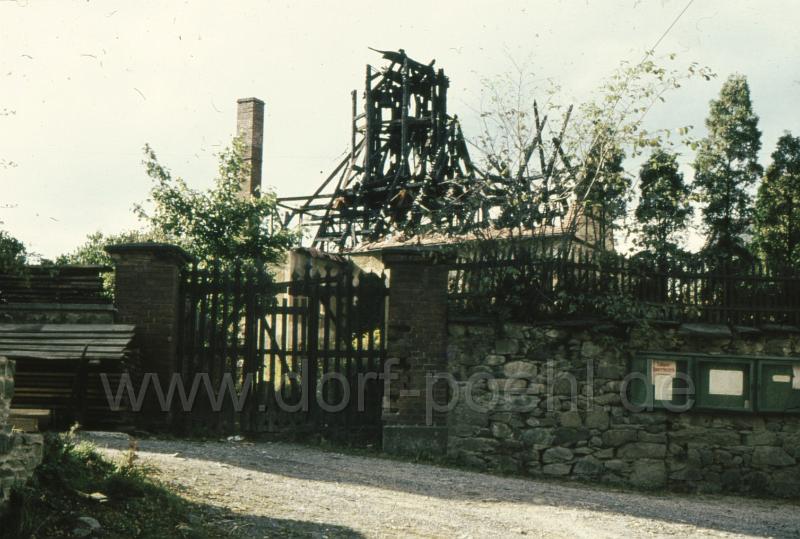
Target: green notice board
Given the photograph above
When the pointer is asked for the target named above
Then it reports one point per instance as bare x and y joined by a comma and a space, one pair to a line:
661, 380
779, 386
725, 383
682, 381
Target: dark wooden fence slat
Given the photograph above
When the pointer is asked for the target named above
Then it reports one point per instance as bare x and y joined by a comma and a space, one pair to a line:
539, 283
309, 327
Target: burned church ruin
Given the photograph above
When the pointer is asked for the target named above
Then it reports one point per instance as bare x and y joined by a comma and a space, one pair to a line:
409, 174
408, 164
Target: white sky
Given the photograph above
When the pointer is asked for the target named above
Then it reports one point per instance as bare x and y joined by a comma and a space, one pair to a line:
89, 82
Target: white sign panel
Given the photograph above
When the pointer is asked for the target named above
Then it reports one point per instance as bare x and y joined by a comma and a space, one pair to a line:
663, 373
725, 382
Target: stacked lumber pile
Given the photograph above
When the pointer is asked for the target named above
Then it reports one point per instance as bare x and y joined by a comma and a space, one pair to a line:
59, 368
55, 284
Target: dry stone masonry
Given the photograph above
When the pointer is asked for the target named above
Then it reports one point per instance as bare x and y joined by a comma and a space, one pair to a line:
20, 453
550, 404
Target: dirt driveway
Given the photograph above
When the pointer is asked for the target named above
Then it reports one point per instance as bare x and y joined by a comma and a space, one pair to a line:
278, 490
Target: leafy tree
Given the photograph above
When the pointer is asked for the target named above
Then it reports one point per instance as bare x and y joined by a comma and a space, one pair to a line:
13, 254
214, 224
778, 206
541, 158
664, 207
604, 190
726, 167
92, 252
219, 223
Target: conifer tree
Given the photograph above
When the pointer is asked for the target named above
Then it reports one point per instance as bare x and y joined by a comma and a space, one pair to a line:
778, 206
726, 168
663, 208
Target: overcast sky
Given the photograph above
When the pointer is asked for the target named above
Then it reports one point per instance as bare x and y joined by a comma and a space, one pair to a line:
87, 83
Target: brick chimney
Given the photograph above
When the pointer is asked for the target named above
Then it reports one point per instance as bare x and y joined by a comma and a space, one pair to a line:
250, 128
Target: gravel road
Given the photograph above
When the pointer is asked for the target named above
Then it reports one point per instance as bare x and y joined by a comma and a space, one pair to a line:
277, 490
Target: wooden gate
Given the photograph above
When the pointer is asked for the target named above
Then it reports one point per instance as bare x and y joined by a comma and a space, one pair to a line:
303, 355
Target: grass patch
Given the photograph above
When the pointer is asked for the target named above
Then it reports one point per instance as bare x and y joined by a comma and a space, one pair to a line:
68, 485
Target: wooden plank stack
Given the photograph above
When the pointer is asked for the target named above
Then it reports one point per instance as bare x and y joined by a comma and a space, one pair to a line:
59, 367
55, 284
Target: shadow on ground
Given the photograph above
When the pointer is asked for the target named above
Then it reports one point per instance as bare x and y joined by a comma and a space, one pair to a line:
207, 522
775, 518
257, 526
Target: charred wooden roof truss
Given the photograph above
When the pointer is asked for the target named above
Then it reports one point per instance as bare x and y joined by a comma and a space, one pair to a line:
408, 164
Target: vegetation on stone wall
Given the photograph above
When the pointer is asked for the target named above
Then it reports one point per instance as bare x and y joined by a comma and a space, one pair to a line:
76, 492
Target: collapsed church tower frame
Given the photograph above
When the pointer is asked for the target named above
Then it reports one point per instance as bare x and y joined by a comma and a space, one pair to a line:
408, 164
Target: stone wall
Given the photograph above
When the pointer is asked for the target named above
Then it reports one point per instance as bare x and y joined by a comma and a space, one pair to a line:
558, 411
20, 453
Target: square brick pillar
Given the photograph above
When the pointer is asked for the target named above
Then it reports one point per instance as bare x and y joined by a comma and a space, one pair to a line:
416, 348
147, 294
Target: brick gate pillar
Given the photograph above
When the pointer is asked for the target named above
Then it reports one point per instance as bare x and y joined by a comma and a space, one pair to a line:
147, 295
416, 349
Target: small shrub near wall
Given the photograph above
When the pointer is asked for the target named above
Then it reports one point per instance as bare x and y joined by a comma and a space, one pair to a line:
551, 401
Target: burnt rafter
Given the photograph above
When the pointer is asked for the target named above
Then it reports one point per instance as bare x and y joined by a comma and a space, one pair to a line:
408, 164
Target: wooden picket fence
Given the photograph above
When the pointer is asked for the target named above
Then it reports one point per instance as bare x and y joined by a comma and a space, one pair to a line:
307, 352
539, 282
